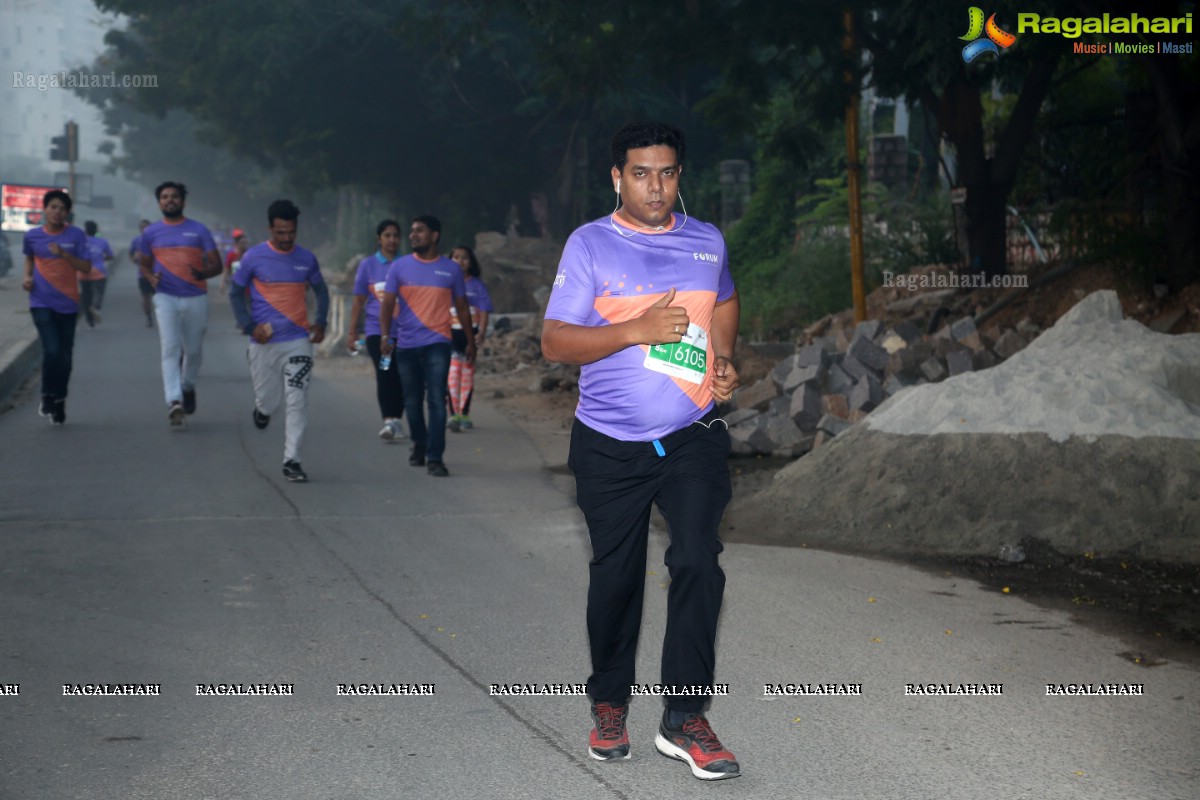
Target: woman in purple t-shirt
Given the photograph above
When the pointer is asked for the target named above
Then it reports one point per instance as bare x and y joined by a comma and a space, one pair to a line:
461, 382
369, 283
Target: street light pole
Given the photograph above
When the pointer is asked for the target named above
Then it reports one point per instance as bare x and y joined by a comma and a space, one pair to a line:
854, 170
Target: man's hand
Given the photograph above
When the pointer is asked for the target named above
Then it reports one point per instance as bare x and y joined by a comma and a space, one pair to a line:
386, 346
262, 332
663, 323
54, 248
471, 350
317, 335
724, 379
27, 283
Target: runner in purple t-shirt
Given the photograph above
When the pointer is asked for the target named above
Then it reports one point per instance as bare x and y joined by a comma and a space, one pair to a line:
278, 274
178, 256
420, 287
644, 302
145, 288
91, 285
55, 255
369, 284
461, 384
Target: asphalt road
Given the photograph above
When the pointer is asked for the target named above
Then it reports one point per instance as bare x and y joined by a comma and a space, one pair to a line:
134, 554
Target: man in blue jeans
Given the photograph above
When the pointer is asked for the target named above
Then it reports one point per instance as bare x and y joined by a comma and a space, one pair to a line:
56, 254
421, 288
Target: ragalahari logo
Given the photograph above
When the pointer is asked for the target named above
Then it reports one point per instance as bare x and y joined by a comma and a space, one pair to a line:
996, 39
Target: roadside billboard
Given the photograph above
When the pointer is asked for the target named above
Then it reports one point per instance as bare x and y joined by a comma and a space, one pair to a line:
21, 206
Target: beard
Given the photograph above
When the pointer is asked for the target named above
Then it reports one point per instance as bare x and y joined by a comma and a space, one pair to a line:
173, 214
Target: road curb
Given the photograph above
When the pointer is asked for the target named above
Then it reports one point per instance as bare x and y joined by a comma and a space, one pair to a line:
17, 362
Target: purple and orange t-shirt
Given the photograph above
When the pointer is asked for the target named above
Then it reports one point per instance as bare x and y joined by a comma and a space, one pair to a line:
610, 273
477, 298
278, 281
424, 289
371, 281
177, 248
55, 282
98, 251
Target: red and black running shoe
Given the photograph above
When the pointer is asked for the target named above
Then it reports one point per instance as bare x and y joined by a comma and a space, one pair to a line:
695, 743
609, 740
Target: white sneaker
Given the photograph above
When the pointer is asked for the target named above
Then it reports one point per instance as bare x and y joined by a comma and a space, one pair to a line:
391, 431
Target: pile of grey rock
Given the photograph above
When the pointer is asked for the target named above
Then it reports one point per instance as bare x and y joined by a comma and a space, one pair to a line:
842, 374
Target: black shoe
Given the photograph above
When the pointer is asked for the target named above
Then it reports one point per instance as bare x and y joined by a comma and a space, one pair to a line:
695, 744
437, 469
149, 322
59, 415
292, 471
416, 456
261, 420
609, 740
189, 401
46, 409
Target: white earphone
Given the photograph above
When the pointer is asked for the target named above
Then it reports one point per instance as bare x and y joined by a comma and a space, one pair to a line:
618, 190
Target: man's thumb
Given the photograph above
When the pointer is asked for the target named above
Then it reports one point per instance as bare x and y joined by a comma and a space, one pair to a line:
667, 298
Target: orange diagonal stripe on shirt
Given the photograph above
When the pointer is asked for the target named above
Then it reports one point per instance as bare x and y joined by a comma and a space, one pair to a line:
179, 261
699, 307
429, 303
287, 299
59, 274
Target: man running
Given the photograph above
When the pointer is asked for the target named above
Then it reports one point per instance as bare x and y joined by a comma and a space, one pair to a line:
277, 274
55, 255
178, 256
91, 285
644, 301
426, 284
145, 288
233, 258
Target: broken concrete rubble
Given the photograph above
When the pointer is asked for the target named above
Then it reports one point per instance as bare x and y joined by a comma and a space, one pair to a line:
840, 372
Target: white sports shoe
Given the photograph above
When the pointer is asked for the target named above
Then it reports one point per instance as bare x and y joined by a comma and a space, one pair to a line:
391, 431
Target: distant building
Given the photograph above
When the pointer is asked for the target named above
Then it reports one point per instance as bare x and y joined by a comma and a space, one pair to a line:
43, 37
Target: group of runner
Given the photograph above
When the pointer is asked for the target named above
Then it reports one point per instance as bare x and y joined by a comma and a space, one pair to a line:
421, 300
643, 302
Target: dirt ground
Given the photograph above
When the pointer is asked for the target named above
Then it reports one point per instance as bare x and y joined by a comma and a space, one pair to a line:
1152, 607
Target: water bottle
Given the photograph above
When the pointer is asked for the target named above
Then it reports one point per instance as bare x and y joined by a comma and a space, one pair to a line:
385, 362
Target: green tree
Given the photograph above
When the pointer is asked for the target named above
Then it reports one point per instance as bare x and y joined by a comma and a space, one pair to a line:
912, 50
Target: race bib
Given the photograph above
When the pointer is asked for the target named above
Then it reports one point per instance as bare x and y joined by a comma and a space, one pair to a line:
686, 359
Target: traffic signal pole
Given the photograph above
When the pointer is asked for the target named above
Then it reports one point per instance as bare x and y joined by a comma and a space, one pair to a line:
73, 153
66, 148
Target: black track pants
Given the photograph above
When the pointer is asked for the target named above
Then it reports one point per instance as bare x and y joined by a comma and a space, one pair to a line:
616, 484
